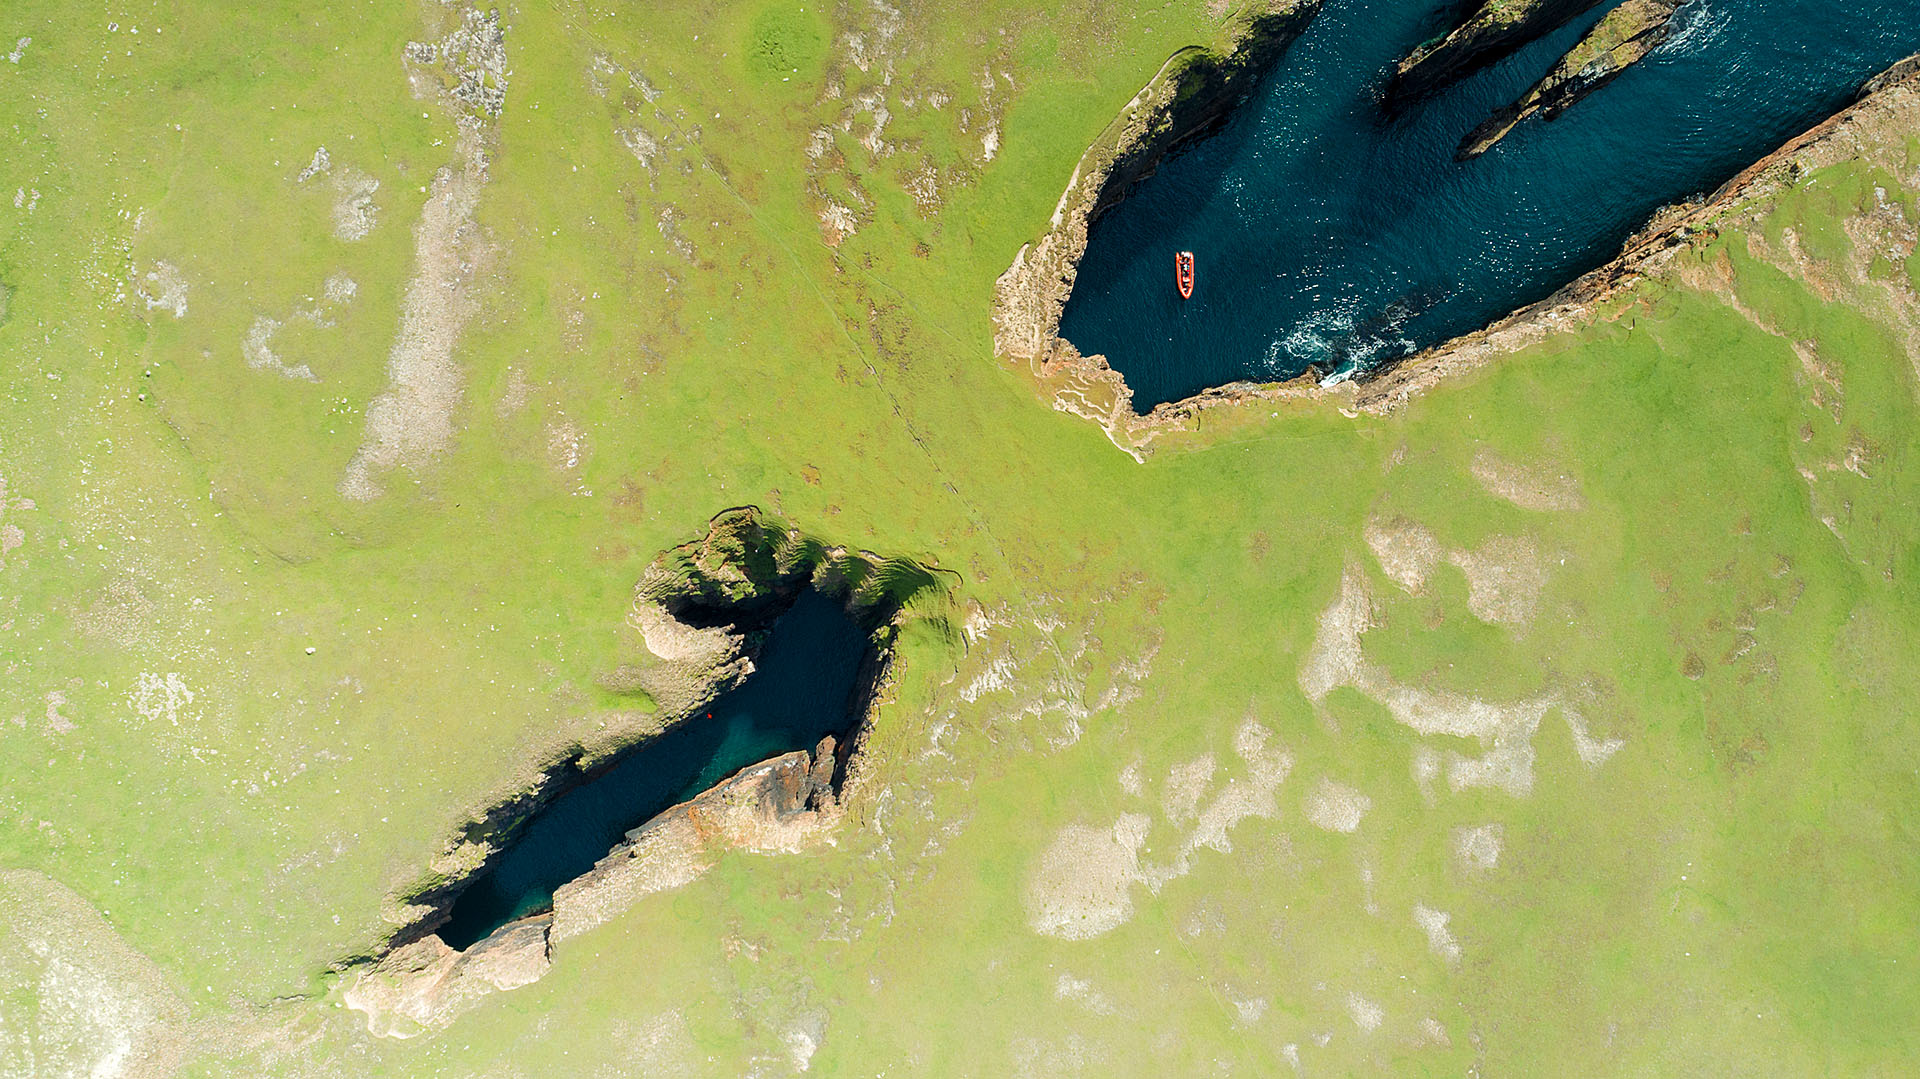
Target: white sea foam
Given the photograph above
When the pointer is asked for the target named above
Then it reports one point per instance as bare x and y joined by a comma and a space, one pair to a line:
1697, 26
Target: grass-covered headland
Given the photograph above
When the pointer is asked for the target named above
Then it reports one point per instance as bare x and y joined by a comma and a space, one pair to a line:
357, 361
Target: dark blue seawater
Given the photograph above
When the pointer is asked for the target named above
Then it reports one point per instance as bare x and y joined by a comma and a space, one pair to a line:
801, 690
1327, 233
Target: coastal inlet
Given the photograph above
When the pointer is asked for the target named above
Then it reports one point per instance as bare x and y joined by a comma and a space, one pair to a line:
1336, 232
801, 692
766, 651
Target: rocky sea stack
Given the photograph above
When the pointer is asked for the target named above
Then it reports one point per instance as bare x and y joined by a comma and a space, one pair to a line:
1492, 31
1623, 38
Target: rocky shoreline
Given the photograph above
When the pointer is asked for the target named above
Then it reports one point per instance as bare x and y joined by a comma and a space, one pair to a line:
1030, 296
692, 608
777, 806
1888, 105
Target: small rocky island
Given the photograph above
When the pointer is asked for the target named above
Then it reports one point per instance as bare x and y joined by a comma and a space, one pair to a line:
1623, 38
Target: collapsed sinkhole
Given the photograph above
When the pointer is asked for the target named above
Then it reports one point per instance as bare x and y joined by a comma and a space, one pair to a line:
779, 645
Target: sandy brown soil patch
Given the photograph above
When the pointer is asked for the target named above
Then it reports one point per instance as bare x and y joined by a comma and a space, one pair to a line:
120, 613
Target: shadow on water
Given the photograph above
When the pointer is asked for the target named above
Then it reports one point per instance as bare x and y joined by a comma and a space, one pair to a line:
1330, 236
802, 688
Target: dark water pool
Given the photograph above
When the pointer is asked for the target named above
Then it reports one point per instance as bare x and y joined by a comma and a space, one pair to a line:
801, 690
1328, 234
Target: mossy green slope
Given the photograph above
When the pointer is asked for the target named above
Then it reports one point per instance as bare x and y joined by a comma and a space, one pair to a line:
239, 708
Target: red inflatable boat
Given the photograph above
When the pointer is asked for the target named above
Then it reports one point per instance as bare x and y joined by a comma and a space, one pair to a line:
1183, 273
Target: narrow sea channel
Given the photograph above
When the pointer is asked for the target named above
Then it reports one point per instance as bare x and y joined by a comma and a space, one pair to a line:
1330, 234
800, 691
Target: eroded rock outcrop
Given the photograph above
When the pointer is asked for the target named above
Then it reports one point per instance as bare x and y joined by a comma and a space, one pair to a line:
778, 806
426, 985
693, 612
1623, 38
1494, 30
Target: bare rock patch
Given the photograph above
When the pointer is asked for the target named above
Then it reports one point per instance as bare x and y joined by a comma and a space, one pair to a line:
1505, 577
1406, 550
426, 985
1336, 807
1186, 784
81, 1002
1504, 729
411, 421
1537, 488
1477, 849
165, 287
1083, 885
1439, 937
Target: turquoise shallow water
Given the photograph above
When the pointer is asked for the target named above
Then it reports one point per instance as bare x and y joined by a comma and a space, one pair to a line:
1331, 235
800, 691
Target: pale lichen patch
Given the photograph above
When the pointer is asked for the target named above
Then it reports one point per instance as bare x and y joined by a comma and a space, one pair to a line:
1407, 551
1531, 487
1083, 885
1477, 849
1336, 807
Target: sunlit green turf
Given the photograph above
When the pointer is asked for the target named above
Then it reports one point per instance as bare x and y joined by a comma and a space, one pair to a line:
1730, 893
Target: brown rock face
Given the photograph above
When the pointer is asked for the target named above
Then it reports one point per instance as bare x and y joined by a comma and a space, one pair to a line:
427, 985
825, 763
1494, 30
777, 806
